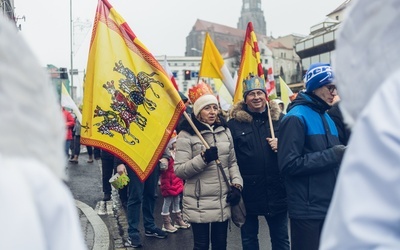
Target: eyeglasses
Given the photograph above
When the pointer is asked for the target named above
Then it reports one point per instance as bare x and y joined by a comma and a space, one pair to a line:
331, 88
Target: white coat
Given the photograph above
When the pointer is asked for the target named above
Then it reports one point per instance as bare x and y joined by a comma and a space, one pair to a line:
37, 209
365, 209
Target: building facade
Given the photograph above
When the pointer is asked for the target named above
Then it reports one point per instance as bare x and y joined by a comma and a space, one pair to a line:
319, 45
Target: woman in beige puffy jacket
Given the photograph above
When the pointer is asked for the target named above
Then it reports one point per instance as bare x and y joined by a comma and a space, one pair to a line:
206, 204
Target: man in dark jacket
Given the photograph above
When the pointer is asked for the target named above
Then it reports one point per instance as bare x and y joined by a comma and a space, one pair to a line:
309, 157
263, 189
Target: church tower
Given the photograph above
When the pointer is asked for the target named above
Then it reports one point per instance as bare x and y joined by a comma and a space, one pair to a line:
252, 12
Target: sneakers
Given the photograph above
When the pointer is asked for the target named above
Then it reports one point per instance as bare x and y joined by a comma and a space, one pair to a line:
132, 244
156, 232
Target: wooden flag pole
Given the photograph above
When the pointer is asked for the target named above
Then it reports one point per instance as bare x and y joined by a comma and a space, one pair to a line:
195, 129
271, 127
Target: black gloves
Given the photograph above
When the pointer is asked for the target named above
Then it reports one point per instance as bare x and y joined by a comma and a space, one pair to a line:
234, 196
210, 154
339, 151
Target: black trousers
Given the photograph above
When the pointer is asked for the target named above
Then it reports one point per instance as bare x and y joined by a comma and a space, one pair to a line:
201, 235
305, 234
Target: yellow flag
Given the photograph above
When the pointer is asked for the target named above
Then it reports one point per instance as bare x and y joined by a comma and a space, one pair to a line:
213, 65
250, 63
130, 106
286, 92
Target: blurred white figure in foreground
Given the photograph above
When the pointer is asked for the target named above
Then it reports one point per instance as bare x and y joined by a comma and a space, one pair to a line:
37, 210
365, 209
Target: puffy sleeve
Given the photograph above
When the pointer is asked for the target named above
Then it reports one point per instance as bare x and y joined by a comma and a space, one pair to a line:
364, 213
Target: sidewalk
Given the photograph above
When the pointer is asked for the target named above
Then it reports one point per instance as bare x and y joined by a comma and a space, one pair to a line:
94, 230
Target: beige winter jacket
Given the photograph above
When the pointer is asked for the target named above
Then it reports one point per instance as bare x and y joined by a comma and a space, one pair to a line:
205, 192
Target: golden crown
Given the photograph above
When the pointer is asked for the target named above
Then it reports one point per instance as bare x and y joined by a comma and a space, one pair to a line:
199, 90
254, 82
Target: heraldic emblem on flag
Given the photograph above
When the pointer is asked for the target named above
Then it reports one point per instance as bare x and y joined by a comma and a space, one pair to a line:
130, 106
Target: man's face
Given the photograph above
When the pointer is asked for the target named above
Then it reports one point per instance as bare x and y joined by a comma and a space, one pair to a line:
327, 93
256, 100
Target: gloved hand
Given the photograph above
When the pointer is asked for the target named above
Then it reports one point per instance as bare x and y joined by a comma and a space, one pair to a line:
234, 196
211, 154
339, 152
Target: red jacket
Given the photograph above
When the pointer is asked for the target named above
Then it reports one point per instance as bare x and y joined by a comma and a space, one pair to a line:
69, 123
171, 185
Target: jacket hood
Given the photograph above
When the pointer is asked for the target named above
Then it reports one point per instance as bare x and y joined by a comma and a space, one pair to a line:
371, 35
32, 124
241, 113
311, 100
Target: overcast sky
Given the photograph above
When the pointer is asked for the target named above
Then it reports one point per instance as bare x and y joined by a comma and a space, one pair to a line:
162, 25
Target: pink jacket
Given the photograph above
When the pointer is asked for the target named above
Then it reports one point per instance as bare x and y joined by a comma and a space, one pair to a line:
171, 185
69, 123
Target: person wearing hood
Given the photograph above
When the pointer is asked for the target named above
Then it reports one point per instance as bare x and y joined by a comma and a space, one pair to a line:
264, 192
37, 208
309, 156
364, 212
206, 203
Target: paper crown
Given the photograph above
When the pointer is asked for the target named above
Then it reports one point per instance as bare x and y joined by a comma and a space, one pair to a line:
199, 90
253, 83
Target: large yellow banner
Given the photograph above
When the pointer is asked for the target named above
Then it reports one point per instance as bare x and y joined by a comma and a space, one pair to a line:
130, 106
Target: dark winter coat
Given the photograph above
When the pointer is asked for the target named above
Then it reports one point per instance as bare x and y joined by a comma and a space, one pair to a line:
306, 158
264, 191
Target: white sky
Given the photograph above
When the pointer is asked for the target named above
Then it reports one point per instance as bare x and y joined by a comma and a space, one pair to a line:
161, 25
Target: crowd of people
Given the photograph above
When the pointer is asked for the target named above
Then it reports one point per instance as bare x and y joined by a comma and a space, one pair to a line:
305, 166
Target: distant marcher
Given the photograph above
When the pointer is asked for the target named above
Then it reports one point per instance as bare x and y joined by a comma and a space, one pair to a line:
365, 208
37, 209
206, 204
77, 142
309, 157
69, 125
264, 192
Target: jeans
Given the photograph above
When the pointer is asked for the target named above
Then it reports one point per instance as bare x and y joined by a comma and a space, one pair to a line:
142, 196
67, 145
168, 201
107, 169
278, 231
201, 235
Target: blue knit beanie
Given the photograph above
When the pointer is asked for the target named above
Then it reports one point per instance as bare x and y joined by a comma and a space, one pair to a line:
318, 75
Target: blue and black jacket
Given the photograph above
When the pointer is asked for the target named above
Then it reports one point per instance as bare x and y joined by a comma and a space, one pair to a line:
306, 158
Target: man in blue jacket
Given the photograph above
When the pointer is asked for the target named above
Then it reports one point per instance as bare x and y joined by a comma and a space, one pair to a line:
309, 156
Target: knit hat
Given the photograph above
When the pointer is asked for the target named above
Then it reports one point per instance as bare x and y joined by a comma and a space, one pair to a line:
201, 95
318, 75
253, 83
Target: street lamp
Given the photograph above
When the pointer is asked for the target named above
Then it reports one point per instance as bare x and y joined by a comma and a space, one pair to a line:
71, 45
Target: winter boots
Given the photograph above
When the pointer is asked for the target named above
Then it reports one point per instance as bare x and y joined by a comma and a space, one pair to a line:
167, 226
179, 222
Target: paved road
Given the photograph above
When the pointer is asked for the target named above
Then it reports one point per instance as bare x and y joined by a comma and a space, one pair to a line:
85, 184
